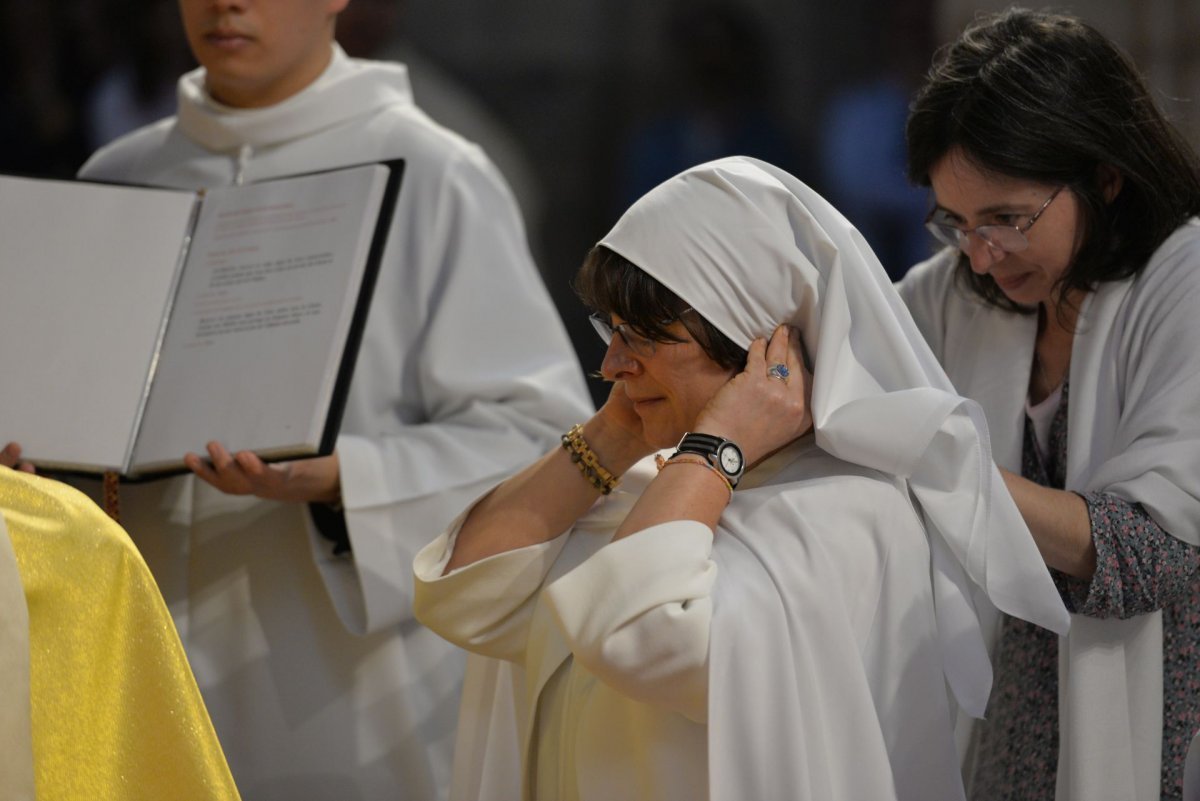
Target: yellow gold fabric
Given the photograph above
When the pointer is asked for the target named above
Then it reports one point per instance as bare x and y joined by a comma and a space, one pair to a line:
116, 713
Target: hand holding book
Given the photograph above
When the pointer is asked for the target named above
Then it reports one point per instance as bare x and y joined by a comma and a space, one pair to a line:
244, 473
10, 456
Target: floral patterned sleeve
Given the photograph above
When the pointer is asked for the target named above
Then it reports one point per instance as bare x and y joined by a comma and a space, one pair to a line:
1139, 566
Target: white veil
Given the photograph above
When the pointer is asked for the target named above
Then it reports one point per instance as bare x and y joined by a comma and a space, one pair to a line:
749, 246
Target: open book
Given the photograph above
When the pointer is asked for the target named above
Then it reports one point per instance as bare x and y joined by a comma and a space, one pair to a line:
137, 324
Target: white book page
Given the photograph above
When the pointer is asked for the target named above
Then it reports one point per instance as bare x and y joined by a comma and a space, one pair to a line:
261, 317
85, 276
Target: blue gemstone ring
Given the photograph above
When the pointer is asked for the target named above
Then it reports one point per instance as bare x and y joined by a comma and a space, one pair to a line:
779, 371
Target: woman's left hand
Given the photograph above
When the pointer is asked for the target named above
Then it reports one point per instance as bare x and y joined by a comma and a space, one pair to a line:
759, 409
315, 480
10, 456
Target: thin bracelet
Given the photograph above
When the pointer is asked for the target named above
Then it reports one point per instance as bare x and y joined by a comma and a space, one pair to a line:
690, 458
586, 460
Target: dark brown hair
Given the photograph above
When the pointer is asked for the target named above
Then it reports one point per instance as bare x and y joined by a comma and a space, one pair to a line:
1046, 98
611, 284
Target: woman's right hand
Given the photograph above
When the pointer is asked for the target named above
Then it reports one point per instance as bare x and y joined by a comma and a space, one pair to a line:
616, 434
759, 412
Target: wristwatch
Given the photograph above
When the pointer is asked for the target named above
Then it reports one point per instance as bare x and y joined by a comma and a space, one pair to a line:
721, 453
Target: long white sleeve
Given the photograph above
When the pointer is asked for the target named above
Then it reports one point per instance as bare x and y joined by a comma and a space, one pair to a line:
485, 607
637, 615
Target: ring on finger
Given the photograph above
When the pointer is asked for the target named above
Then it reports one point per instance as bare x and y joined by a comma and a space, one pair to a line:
778, 370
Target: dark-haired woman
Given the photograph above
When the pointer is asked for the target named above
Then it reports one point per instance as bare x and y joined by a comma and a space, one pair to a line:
1068, 305
776, 610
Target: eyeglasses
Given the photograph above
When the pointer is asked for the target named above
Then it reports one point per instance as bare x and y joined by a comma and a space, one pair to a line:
640, 345
1008, 238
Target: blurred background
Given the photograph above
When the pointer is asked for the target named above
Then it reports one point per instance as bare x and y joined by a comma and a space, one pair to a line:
585, 104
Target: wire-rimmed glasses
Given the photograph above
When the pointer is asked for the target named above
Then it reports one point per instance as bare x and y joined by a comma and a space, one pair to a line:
640, 345
1008, 238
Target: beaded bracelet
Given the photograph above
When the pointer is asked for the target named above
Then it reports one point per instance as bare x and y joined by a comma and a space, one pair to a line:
585, 459
690, 458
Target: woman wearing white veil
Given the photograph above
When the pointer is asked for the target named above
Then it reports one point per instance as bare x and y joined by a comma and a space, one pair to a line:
790, 638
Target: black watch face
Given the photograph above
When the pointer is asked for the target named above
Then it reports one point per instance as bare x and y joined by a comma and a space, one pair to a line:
731, 459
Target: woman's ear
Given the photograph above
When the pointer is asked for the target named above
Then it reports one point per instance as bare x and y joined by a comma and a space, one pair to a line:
1110, 180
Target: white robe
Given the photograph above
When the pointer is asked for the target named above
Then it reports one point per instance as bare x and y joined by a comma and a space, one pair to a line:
320, 683
822, 677
1134, 431
849, 604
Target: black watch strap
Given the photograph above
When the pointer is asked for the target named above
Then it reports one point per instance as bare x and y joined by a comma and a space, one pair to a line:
694, 442
710, 446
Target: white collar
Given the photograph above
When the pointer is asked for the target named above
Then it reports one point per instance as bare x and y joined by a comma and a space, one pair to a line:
347, 88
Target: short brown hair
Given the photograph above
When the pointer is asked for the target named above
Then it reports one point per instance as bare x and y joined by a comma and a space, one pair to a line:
611, 284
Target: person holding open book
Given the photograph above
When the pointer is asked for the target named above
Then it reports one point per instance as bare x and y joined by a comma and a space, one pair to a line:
291, 584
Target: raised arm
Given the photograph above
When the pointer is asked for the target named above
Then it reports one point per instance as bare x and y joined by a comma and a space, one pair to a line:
546, 498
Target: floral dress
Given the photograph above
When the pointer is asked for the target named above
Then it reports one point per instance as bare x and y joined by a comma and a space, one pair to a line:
1139, 568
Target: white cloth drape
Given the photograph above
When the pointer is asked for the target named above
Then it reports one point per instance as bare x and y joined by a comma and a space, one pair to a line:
774, 251
1191, 772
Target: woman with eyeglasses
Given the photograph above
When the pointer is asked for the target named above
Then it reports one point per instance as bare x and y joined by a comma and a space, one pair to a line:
1067, 303
775, 606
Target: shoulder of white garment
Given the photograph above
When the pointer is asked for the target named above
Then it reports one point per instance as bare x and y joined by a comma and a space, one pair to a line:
121, 158
1172, 274
364, 116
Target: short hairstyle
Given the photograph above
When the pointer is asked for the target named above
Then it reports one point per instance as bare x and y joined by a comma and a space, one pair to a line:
611, 284
1045, 97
